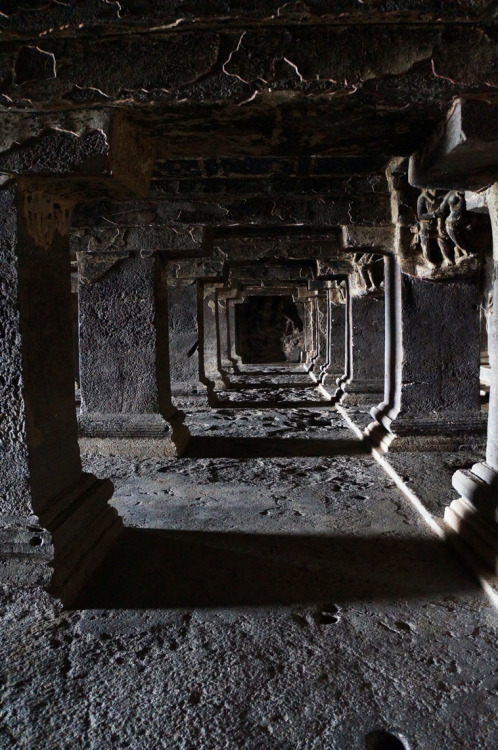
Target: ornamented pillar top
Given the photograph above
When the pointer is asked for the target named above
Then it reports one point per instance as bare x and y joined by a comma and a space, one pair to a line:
436, 236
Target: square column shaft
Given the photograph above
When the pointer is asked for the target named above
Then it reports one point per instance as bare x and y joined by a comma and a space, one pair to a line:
52, 513
335, 368
184, 343
124, 348
440, 364
367, 382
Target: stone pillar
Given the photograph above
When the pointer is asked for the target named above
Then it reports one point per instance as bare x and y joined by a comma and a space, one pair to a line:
225, 363
367, 384
334, 370
209, 368
379, 432
348, 344
234, 358
440, 401
124, 348
184, 343
310, 325
474, 515
52, 513
323, 351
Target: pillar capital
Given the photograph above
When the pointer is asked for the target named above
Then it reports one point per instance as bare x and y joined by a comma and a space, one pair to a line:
462, 152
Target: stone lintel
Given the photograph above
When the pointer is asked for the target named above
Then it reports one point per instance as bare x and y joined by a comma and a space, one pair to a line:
56, 151
104, 157
462, 152
173, 242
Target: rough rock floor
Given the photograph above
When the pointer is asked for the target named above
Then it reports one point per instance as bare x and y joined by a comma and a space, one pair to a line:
276, 601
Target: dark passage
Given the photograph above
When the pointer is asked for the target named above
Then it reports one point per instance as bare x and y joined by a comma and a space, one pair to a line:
269, 329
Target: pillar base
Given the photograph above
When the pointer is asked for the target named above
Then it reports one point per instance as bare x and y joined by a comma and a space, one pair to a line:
137, 435
62, 550
479, 487
378, 436
97, 425
443, 431
474, 516
137, 448
83, 527
482, 538
363, 392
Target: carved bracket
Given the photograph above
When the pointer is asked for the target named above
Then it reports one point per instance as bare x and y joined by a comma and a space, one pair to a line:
436, 237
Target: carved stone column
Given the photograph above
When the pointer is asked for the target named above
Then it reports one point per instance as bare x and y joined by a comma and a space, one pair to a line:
348, 342
124, 351
367, 384
209, 363
186, 390
52, 513
440, 400
323, 350
439, 313
474, 515
335, 366
379, 433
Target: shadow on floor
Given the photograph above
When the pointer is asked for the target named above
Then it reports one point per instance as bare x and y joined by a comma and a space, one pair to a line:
261, 447
154, 568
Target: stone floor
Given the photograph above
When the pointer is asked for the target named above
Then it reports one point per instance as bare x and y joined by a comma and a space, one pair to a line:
270, 396
263, 432
273, 601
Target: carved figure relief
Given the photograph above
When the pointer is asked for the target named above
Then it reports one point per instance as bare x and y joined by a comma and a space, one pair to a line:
428, 230
437, 236
338, 292
368, 275
444, 232
456, 223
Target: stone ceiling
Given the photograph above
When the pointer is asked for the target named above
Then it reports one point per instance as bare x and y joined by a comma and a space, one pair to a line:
362, 79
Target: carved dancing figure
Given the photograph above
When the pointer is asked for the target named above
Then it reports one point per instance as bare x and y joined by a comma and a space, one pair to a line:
341, 288
455, 222
443, 242
364, 264
430, 227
